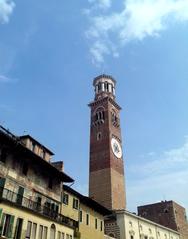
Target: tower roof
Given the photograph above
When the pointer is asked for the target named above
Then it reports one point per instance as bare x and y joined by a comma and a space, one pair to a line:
103, 76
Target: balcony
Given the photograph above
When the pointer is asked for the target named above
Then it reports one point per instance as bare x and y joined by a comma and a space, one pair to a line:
8, 196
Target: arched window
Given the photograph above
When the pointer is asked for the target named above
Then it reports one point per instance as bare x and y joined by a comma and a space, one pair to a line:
112, 234
106, 86
115, 119
99, 86
98, 116
52, 231
99, 135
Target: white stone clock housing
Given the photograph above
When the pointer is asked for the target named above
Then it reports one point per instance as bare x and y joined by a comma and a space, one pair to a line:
116, 148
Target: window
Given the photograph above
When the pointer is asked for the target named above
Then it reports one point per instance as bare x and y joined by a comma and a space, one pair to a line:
111, 235
106, 86
115, 119
3, 155
7, 225
2, 184
101, 226
70, 236
34, 231
42, 153
63, 235
33, 145
20, 194
66, 198
99, 86
132, 237
28, 232
67, 236
18, 230
166, 210
87, 219
99, 135
25, 168
40, 232
80, 216
99, 116
75, 203
38, 201
50, 183
31, 231
45, 233
59, 235
95, 223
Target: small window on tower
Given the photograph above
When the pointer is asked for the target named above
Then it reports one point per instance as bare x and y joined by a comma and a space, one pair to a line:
115, 119
106, 86
99, 116
99, 86
166, 210
99, 135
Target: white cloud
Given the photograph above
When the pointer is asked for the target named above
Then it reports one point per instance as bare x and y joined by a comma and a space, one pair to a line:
162, 177
98, 50
104, 4
5, 79
168, 160
137, 20
6, 9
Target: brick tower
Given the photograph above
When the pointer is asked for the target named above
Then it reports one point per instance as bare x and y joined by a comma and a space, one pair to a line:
106, 171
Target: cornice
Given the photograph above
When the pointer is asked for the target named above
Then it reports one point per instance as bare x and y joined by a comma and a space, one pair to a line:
97, 102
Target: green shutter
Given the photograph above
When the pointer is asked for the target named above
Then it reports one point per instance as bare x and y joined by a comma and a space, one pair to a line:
1, 210
11, 227
2, 182
20, 195
1, 223
2, 185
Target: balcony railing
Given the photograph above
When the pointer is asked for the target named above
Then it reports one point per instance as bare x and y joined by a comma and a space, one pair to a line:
19, 200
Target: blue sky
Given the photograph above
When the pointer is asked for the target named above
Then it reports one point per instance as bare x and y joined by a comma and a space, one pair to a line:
50, 51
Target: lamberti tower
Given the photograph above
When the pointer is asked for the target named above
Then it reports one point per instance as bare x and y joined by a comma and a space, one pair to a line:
106, 169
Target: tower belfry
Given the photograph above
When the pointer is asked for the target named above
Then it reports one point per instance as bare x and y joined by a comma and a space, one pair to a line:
106, 171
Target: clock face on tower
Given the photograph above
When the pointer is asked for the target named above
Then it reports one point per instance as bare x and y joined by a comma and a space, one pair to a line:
116, 148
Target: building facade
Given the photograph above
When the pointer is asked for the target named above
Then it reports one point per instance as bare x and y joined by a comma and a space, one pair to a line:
88, 213
135, 227
30, 191
106, 166
34, 201
167, 213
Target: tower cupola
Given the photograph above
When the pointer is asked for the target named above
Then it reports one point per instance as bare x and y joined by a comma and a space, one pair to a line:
104, 86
